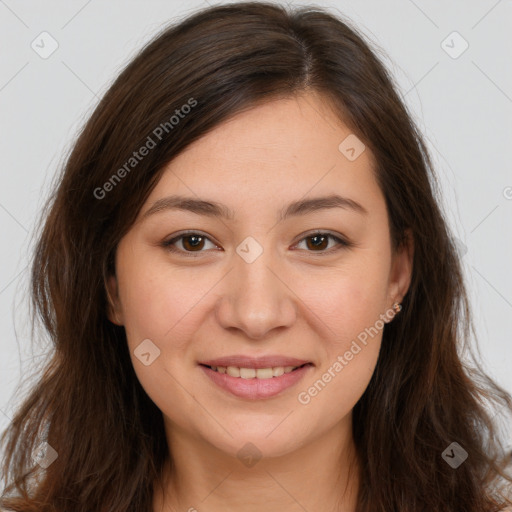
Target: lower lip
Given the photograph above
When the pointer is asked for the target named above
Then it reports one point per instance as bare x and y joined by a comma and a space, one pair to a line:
255, 389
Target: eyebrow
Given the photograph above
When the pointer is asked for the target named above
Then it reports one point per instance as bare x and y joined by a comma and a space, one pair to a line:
214, 209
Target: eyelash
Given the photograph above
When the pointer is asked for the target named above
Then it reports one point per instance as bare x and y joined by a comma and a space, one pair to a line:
168, 244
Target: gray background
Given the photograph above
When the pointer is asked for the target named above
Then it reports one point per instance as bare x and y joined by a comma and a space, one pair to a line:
462, 103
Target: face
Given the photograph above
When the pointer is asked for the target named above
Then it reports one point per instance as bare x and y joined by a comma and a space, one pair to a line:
314, 282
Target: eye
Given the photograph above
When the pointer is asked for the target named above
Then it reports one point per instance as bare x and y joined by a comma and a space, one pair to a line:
319, 240
192, 242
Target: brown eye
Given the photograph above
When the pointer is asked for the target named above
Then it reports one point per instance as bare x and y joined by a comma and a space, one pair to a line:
190, 243
318, 242
193, 242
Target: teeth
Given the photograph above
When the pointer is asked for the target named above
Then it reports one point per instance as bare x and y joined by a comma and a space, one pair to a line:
261, 373
279, 370
252, 373
232, 371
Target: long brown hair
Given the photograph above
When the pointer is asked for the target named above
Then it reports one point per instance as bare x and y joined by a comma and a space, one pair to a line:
88, 404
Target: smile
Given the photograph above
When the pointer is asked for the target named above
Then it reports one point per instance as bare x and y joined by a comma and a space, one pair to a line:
254, 383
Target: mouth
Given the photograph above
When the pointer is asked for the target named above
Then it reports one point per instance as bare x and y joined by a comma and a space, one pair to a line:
255, 383
255, 373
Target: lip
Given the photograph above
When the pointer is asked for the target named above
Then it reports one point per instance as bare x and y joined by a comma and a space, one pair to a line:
256, 389
267, 361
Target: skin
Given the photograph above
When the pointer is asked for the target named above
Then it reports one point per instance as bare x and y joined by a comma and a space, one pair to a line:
290, 301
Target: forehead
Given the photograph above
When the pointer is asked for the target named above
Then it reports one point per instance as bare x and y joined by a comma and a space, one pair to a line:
279, 151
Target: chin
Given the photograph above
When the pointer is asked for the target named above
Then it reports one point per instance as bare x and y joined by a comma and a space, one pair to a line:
252, 445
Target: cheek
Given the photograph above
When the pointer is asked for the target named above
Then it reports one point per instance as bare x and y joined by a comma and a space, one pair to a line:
348, 298
349, 347
355, 329
157, 307
151, 301
163, 303
164, 309
349, 303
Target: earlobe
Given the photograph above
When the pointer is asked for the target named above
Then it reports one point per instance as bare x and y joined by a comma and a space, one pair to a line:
114, 313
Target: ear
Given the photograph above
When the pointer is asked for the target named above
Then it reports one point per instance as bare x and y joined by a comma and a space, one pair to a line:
401, 271
114, 311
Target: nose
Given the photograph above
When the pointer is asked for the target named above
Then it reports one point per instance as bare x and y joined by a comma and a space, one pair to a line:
256, 298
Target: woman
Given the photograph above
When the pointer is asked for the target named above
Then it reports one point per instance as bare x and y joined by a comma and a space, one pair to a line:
254, 297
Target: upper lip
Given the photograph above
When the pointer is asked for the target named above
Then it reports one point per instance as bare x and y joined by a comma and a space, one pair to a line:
268, 361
